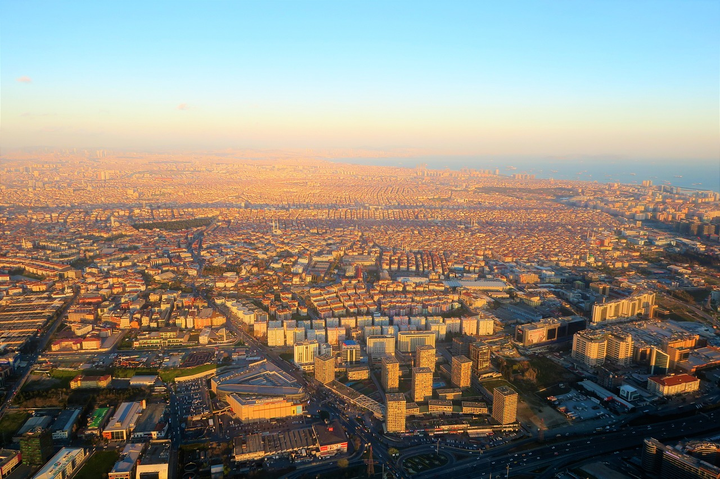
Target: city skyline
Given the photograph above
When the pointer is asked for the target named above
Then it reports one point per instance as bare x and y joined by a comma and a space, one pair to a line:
612, 79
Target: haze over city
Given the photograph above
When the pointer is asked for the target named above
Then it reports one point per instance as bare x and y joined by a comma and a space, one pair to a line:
335, 240
629, 79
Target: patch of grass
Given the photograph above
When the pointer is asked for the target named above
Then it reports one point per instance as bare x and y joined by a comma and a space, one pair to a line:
130, 372
175, 225
171, 374
550, 373
98, 465
491, 384
65, 376
10, 424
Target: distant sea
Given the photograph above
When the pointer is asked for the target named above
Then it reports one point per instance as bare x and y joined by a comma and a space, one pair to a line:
699, 174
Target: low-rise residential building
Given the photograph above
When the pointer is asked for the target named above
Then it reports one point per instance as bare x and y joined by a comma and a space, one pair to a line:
357, 373
440, 406
90, 382
470, 407
9, 460
672, 385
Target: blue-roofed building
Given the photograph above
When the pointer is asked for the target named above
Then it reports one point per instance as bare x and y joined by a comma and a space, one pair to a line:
350, 352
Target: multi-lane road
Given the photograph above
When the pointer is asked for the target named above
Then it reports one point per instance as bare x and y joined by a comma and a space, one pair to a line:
547, 459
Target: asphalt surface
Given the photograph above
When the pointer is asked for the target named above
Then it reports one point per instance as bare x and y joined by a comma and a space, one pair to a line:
544, 461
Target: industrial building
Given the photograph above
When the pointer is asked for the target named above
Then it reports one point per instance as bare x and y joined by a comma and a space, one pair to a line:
65, 423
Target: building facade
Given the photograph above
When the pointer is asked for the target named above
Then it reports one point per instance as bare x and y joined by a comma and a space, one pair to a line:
672, 385
421, 389
480, 356
304, 353
325, 368
641, 304
408, 341
590, 348
395, 412
390, 374
425, 357
461, 372
505, 402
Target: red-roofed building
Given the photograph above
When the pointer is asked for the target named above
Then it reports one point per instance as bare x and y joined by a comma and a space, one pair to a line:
671, 385
331, 438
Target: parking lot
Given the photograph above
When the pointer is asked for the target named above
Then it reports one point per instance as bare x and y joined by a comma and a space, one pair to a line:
193, 398
579, 407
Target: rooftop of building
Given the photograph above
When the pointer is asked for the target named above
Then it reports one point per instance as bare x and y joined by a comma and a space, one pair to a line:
329, 434
59, 462
505, 390
157, 453
42, 422
150, 418
128, 458
675, 380
125, 415
97, 416
7, 455
66, 419
391, 397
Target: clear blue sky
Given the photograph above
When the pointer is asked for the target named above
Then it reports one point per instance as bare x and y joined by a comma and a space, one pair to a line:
629, 78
